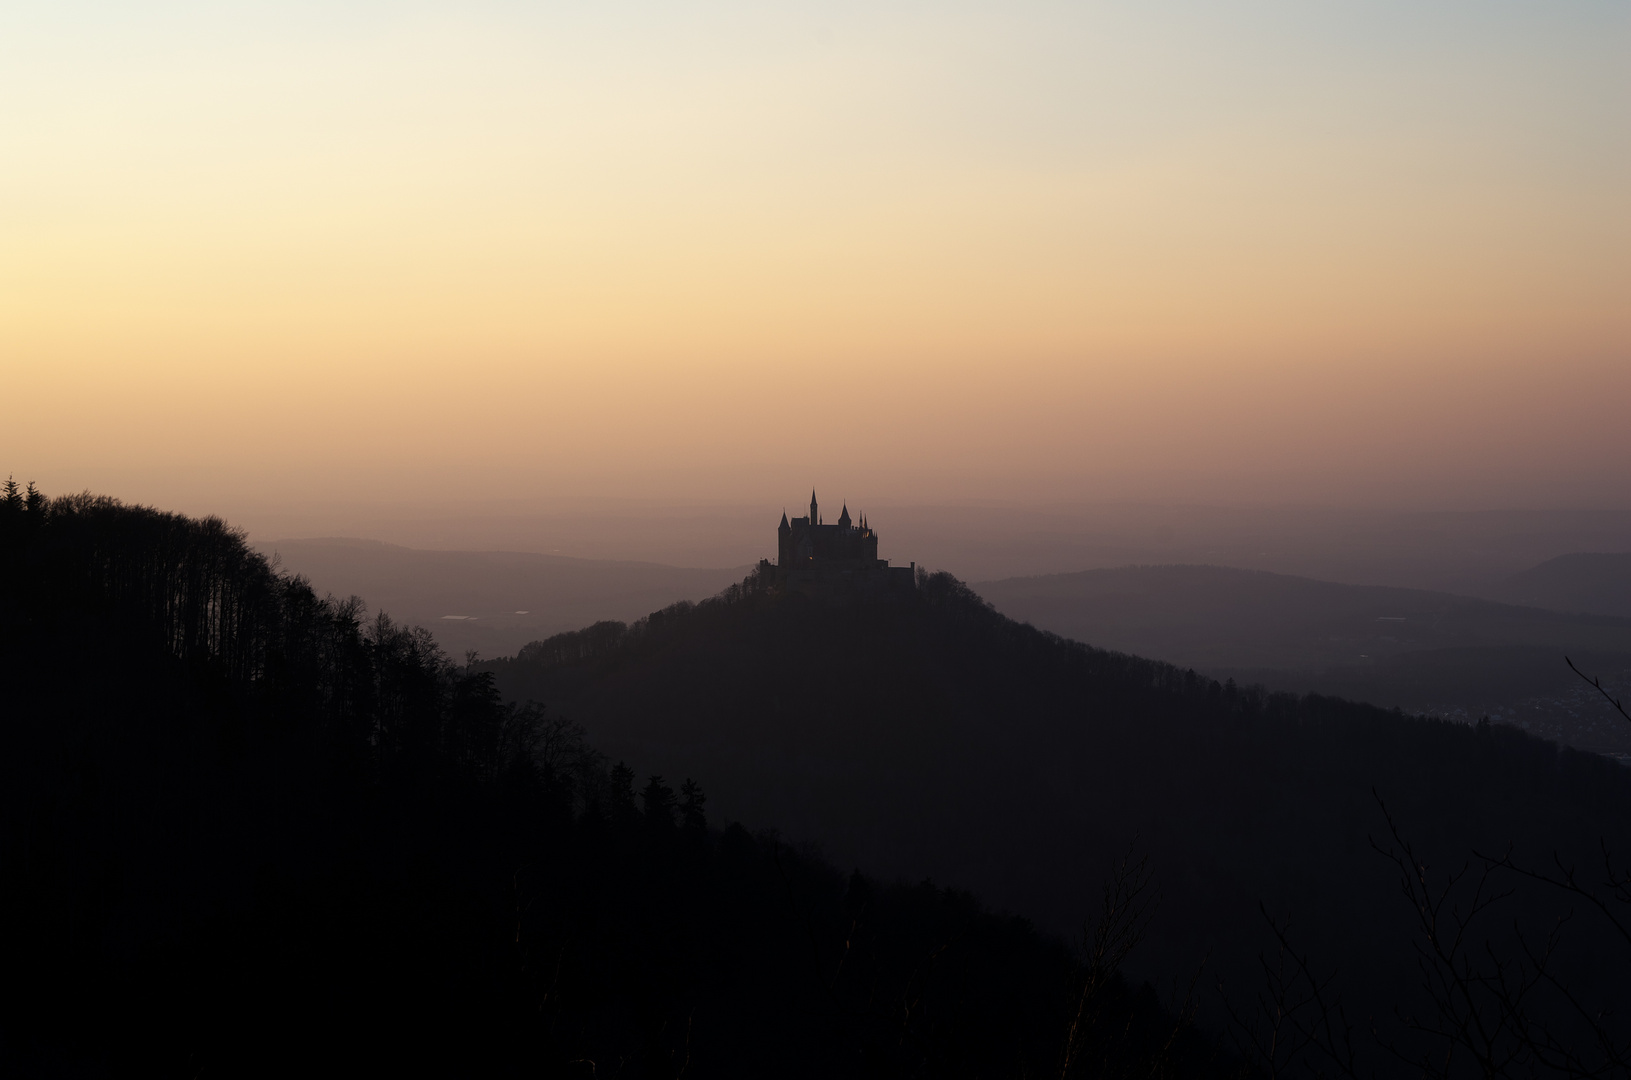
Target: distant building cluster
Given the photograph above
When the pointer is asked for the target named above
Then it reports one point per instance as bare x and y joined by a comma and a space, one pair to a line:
835, 561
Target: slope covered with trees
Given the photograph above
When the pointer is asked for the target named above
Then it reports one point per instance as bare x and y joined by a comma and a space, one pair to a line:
939, 739
247, 830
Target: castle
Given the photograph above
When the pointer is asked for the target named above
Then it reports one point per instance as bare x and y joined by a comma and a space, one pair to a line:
835, 561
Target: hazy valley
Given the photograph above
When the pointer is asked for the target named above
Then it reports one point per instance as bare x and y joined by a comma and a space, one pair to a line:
492, 602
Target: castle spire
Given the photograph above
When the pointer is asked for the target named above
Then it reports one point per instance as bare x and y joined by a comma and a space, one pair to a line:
814, 520
783, 525
843, 518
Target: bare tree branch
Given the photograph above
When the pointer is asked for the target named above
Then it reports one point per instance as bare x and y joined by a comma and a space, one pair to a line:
1598, 683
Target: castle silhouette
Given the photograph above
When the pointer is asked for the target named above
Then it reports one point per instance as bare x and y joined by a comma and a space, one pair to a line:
835, 561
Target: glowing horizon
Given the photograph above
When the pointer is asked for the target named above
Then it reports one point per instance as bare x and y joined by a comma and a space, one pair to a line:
1370, 253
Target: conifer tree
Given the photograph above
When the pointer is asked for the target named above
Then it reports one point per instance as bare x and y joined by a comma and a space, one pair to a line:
691, 803
659, 802
622, 792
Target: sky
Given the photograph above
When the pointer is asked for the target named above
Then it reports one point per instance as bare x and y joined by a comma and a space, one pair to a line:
1379, 253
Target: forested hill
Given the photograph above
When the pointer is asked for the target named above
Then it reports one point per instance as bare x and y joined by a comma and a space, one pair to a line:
246, 831
939, 739
245, 828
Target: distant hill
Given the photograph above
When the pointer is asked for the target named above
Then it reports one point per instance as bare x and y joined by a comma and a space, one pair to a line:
1419, 650
491, 601
939, 738
1595, 583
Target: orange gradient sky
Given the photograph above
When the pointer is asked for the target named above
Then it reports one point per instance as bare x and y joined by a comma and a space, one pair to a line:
1367, 253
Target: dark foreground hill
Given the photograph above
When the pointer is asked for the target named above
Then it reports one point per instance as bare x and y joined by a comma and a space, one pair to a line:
492, 602
244, 832
1419, 650
941, 740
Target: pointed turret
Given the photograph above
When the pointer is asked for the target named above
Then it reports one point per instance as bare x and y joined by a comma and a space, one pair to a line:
783, 526
843, 517
814, 518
